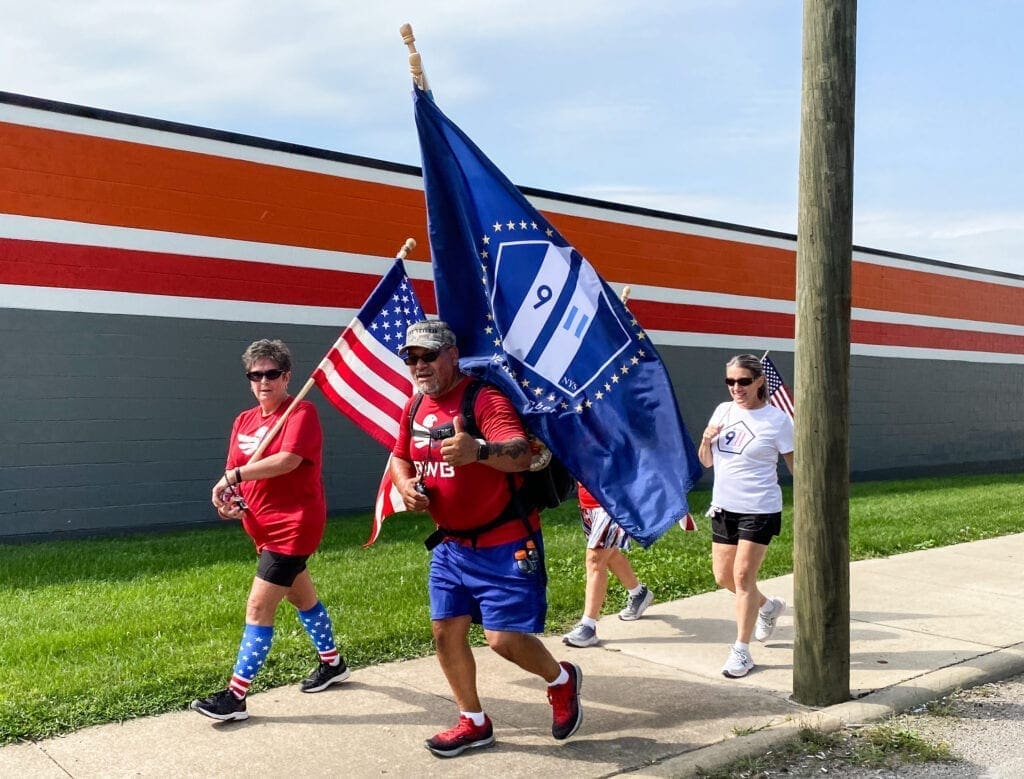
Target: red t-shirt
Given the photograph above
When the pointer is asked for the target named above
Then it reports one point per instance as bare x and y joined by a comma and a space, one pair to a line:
287, 513
587, 501
471, 495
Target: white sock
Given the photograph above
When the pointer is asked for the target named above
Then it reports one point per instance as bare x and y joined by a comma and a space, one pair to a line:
739, 646
563, 677
768, 606
590, 622
476, 716
636, 590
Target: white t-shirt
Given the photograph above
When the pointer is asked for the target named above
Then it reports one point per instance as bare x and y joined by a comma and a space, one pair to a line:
746, 458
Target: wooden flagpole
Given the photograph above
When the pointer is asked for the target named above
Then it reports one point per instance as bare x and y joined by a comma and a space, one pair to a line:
415, 63
408, 246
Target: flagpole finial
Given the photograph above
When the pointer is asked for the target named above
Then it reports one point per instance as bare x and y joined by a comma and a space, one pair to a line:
625, 294
408, 246
415, 62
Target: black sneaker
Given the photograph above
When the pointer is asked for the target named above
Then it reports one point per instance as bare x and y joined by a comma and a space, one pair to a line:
223, 706
324, 676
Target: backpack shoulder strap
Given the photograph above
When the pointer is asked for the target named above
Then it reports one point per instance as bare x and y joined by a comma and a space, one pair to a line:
468, 406
413, 408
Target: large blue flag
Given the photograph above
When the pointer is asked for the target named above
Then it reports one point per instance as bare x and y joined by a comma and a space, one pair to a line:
534, 318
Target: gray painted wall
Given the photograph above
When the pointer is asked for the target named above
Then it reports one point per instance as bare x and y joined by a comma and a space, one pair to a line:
121, 422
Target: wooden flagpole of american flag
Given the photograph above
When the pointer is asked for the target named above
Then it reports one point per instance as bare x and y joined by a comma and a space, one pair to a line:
778, 393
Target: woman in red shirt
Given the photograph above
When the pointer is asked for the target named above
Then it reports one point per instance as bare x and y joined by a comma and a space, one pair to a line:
280, 500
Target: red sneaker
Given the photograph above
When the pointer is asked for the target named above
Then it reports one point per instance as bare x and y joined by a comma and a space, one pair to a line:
565, 703
463, 736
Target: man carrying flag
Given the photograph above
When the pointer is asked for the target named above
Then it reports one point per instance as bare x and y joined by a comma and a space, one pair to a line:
487, 564
535, 319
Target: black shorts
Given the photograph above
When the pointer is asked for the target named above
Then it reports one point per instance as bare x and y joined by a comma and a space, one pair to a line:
728, 527
280, 569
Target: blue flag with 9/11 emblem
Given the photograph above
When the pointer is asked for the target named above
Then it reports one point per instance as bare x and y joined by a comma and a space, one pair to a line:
534, 318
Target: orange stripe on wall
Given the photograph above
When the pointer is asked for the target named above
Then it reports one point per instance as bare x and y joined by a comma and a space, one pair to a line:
83, 178
933, 294
640, 255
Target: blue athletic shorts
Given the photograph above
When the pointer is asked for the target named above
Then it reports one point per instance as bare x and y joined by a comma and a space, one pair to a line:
486, 584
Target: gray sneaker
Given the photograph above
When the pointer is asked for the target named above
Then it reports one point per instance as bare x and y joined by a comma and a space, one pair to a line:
766, 620
581, 636
637, 605
738, 664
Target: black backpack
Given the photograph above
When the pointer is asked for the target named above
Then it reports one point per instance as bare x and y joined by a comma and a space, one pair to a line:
545, 486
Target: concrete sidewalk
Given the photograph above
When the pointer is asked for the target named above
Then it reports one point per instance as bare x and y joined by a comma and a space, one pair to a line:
655, 702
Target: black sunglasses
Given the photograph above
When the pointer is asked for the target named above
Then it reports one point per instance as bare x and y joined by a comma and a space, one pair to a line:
426, 357
273, 375
746, 381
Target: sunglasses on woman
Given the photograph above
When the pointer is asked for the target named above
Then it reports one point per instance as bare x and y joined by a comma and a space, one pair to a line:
746, 381
273, 375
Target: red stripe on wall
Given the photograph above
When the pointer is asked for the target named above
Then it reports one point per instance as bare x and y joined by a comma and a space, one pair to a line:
45, 264
678, 317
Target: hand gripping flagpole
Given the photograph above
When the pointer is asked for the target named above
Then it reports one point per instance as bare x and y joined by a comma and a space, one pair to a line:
419, 78
408, 246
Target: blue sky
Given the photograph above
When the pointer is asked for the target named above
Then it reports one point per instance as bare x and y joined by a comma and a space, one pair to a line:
690, 106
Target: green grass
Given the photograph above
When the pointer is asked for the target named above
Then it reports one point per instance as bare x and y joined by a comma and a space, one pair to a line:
102, 630
814, 752
886, 745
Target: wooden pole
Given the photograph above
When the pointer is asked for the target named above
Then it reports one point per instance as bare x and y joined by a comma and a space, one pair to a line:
821, 519
419, 77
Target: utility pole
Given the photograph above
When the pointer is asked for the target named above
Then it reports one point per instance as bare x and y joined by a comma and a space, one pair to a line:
821, 508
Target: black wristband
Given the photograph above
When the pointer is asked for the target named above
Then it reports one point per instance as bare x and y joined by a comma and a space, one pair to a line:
483, 450
238, 476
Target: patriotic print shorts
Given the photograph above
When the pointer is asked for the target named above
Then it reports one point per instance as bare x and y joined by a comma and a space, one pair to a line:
602, 531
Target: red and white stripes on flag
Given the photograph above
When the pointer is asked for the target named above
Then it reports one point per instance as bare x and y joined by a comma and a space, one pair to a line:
778, 393
364, 378
687, 522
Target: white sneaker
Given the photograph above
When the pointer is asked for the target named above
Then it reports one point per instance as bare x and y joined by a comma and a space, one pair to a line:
581, 636
766, 620
738, 664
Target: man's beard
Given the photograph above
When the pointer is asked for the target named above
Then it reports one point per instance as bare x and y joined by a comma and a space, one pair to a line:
429, 385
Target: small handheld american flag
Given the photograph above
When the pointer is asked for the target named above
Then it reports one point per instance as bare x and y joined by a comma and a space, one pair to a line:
778, 393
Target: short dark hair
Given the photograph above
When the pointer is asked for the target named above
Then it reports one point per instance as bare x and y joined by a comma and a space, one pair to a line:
266, 349
752, 363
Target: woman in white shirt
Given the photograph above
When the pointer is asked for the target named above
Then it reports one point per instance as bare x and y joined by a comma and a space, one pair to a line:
742, 442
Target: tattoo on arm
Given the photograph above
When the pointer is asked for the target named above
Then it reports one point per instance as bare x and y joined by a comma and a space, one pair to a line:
514, 448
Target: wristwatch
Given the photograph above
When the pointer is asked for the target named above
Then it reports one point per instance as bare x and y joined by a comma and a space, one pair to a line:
483, 449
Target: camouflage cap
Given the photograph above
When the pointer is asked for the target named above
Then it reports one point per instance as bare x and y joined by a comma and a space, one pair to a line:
428, 334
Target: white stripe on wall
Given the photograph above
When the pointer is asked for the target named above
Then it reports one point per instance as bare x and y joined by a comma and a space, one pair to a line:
133, 304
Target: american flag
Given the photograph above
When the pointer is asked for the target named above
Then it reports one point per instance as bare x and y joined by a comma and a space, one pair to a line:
778, 393
364, 378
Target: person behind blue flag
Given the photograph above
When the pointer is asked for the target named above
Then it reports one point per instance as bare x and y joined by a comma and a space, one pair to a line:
534, 318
